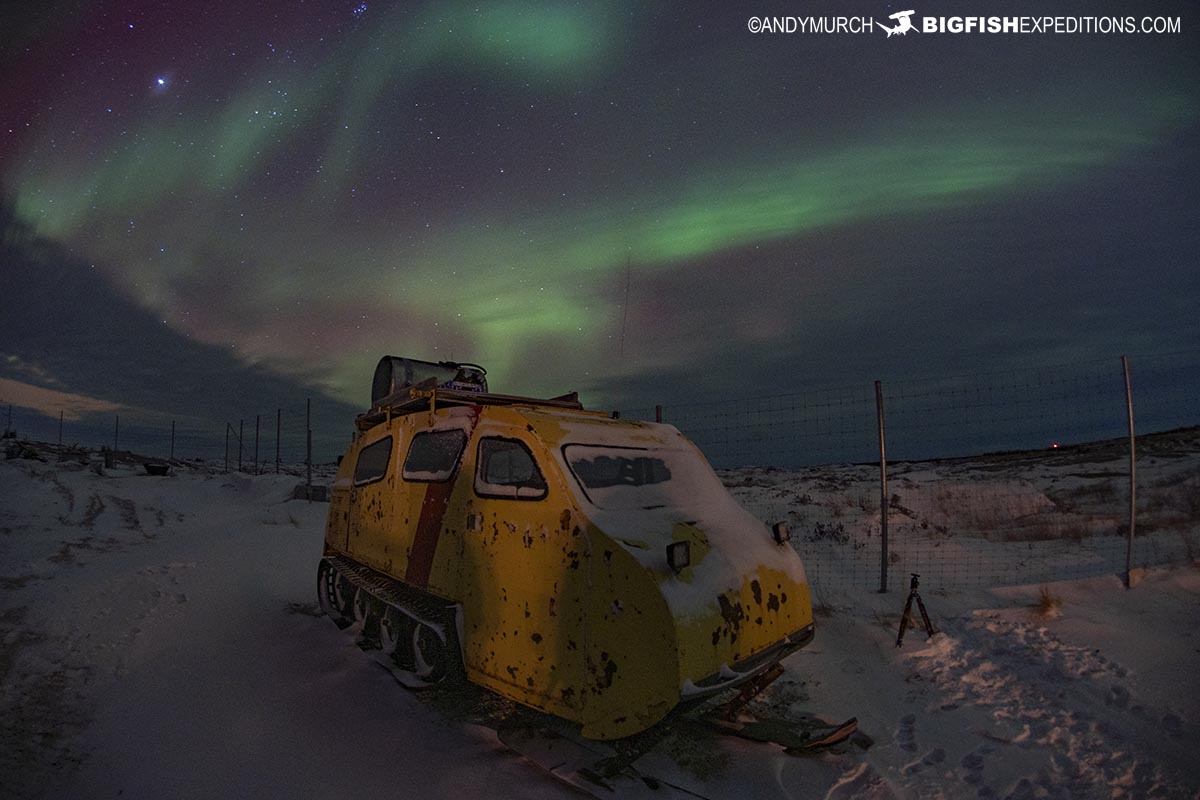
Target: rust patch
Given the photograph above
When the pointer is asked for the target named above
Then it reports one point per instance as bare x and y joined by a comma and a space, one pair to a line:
610, 670
732, 613
772, 602
564, 520
757, 591
537, 638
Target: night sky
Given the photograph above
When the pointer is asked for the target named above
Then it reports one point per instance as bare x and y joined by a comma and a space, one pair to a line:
210, 203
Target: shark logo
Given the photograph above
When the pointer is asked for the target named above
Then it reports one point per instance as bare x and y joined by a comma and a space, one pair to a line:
903, 23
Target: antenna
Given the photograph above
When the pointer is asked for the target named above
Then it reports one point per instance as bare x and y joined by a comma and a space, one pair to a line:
625, 307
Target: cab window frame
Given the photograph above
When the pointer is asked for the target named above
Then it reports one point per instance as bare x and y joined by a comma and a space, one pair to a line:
582, 484
444, 475
479, 484
373, 477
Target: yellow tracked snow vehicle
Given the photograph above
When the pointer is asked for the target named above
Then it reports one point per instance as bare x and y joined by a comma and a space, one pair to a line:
590, 567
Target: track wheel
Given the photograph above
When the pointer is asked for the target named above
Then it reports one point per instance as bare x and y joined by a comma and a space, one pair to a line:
366, 611
332, 594
431, 654
396, 631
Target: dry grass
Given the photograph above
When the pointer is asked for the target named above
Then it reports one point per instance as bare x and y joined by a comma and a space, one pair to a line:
1101, 494
1048, 605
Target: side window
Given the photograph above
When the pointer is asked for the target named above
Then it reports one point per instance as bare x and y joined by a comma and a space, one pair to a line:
373, 461
505, 468
433, 455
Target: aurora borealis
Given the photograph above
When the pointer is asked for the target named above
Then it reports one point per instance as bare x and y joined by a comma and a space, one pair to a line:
307, 186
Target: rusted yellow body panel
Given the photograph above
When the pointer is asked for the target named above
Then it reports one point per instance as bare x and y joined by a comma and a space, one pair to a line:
568, 603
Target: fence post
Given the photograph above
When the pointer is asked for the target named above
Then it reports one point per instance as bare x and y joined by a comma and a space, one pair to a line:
278, 426
116, 430
1132, 477
172, 458
257, 419
308, 448
883, 495
658, 413
241, 438
227, 447
60, 419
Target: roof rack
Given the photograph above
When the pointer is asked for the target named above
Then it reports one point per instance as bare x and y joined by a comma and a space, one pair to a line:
415, 398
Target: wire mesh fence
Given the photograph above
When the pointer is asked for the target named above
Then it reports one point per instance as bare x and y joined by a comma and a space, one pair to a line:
266, 440
787, 430
1004, 477
996, 478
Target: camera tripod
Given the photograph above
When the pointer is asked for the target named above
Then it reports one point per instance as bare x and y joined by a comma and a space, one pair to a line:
907, 615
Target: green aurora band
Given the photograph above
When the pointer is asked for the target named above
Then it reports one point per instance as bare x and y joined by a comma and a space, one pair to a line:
500, 278
177, 155
533, 278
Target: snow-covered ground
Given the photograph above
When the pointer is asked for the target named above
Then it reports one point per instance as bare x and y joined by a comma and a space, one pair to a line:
993, 520
159, 639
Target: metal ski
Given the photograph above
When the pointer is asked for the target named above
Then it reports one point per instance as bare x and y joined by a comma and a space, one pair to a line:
796, 737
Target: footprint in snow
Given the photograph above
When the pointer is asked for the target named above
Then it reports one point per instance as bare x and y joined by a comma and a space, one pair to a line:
972, 762
906, 737
932, 758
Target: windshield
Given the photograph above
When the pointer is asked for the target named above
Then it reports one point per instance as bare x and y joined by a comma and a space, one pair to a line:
630, 477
